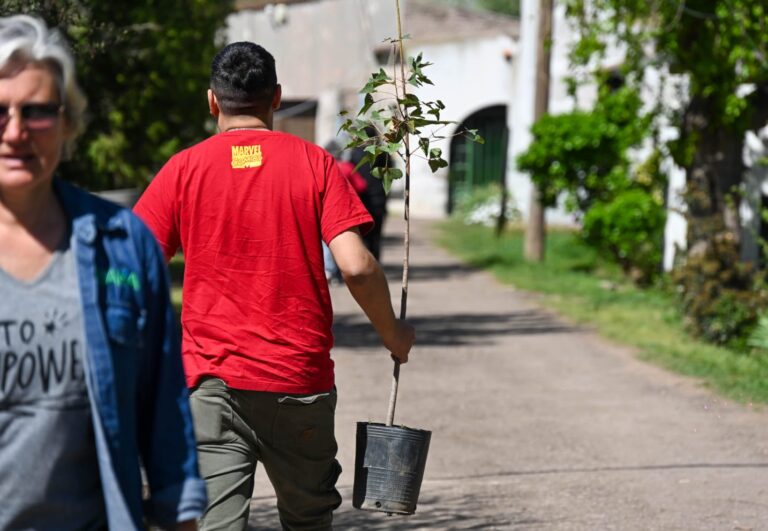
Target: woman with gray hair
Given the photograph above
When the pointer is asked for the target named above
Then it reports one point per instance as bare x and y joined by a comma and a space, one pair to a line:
91, 380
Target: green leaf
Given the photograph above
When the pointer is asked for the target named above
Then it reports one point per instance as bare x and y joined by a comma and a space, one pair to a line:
388, 175
435, 113
437, 163
472, 133
376, 80
366, 159
367, 104
391, 147
424, 145
410, 100
368, 88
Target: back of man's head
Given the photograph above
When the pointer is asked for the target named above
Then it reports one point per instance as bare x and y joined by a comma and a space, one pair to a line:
243, 78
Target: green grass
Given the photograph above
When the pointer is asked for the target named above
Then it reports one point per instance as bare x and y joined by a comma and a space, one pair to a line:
176, 269
579, 285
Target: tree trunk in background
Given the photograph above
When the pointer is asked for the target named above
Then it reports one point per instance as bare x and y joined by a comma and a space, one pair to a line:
716, 169
714, 173
501, 222
535, 232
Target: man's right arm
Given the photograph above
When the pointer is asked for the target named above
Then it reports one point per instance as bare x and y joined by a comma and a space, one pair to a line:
368, 285
157, 209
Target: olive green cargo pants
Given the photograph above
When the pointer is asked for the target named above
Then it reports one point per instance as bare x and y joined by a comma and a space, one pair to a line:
291, 435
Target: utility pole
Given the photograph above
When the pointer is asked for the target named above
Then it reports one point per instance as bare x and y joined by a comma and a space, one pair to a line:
535, 232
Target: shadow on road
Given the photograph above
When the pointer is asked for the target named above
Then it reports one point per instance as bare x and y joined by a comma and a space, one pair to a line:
427, 272
451, 508
450, 511
353, 330
600, 469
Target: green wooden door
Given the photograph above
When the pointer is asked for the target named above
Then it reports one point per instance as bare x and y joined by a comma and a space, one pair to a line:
475, 165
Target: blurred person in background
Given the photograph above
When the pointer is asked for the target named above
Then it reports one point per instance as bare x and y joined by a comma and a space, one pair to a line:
91, 379
360, 186
375, 198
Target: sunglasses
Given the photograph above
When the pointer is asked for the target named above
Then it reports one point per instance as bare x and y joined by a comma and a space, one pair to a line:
36, 116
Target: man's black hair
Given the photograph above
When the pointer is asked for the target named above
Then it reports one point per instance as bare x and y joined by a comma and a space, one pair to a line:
243, 78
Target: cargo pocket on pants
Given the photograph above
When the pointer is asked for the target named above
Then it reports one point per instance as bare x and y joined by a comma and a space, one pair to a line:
307, 422
212, 412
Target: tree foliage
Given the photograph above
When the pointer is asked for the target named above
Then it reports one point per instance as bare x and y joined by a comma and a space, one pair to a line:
717, 56
714, 56
583, 154
144, 66
394, 116
583, 157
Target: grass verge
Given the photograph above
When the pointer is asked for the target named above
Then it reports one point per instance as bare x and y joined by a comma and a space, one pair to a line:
576, 283
176, 270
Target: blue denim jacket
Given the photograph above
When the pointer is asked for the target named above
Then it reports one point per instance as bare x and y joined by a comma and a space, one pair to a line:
139, 399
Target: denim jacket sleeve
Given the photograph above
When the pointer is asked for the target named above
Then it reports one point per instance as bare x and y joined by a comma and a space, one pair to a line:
166, 434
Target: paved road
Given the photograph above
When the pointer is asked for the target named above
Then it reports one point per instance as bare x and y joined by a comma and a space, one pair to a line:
538, 424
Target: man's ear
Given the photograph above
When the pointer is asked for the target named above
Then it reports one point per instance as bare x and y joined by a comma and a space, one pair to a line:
213, 105
277, 97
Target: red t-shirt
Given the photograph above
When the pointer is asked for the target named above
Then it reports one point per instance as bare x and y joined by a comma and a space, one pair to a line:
248, 209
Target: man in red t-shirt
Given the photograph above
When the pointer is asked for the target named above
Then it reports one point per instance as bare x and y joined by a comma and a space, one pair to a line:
249, 207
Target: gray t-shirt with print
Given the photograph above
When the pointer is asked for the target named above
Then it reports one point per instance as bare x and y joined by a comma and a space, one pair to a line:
49, 476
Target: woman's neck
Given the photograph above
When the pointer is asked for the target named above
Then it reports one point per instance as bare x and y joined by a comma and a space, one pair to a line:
32, 226
32, 210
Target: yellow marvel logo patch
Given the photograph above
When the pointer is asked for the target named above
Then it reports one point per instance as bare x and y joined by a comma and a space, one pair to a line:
246, 157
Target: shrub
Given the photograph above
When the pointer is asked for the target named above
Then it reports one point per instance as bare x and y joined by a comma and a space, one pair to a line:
583, 154
582, 157
629, 229
722, 297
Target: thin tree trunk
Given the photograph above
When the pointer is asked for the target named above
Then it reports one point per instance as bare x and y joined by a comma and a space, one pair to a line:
535, 232
501, 222
406, 213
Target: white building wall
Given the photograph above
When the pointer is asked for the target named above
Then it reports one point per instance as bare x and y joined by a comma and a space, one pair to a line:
522, 117
302, 38
676, 227
467, 76
755, 187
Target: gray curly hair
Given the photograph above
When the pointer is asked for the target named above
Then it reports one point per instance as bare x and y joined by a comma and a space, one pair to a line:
24, 40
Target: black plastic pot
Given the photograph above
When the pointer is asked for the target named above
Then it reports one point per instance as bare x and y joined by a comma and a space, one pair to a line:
389, 467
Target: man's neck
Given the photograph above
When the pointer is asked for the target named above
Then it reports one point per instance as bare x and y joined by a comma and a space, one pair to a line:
233, 123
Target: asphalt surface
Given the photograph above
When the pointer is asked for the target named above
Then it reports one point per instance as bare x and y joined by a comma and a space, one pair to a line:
536, 423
